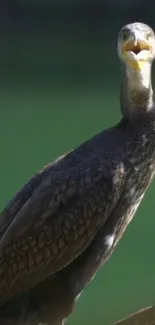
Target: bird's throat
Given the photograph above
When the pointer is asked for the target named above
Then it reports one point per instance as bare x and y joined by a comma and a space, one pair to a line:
136, 92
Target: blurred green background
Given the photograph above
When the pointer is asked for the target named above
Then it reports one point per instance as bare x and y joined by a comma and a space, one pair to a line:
59, 85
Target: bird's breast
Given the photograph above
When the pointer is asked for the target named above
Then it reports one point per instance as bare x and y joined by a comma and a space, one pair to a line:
139, 174
138, 180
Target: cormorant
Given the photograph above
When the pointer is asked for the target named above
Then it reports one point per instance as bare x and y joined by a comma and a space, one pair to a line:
65, 222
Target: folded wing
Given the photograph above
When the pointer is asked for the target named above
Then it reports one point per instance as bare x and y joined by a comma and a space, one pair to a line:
55, 217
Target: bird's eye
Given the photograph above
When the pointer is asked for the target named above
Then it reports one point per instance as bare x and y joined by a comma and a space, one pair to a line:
125, 34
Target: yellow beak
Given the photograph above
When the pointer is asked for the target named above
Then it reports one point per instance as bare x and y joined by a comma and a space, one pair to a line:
137, 65
137, 53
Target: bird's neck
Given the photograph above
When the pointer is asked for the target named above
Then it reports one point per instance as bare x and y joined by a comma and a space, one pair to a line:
136, 92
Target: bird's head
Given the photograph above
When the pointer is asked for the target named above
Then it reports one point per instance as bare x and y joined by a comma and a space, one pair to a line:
136, 46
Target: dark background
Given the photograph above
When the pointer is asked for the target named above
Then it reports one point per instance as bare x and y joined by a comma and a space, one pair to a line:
59, 85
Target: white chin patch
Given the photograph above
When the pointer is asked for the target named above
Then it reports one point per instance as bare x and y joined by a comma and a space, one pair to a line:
142, 55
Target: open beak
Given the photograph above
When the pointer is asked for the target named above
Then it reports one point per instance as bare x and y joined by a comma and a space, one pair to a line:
137, 52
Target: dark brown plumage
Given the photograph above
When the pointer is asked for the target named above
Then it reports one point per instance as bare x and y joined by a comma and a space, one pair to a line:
65, 222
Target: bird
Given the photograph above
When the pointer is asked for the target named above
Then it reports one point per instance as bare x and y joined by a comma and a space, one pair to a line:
64, 224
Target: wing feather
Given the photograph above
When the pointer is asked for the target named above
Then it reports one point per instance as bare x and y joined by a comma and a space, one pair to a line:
55, 217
